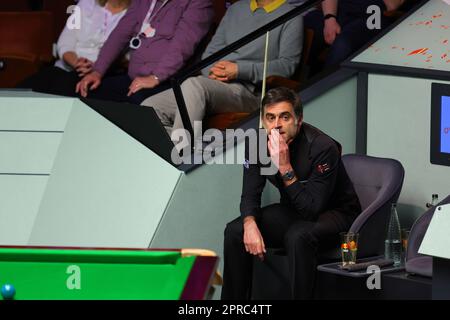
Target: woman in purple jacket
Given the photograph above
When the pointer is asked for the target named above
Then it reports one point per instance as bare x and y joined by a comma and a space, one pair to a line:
161, 35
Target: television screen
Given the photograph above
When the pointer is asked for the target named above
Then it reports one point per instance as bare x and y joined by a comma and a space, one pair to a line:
445, 124
440, 124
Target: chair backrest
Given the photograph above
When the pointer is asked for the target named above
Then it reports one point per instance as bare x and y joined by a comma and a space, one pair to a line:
377, 182
16, 5
59, 10
27, 33
220, 7
418, 230
302, 72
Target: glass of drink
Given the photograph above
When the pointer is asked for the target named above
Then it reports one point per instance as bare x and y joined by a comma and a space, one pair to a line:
349, 247
405, 236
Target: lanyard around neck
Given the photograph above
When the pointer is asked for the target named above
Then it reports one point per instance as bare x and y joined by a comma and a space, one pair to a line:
150, 15
146, 24
150, 11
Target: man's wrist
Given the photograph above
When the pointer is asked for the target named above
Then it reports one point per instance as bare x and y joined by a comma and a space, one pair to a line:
285, 168
249, 219
288, 176
329, 16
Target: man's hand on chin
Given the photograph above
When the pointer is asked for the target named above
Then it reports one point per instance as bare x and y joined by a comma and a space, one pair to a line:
279, 150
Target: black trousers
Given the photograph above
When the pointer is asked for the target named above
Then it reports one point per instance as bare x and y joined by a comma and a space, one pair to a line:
52, 80
354, 32
281, 227
115, 88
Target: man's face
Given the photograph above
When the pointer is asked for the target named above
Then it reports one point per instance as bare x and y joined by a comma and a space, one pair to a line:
281, 116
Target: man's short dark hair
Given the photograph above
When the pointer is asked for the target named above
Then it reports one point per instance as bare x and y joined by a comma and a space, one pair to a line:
283, 94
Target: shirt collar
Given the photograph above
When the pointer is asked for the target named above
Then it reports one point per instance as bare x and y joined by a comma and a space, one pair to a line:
268, 8
298, 139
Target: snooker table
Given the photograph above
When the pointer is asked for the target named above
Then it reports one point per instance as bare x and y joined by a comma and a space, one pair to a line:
56, 273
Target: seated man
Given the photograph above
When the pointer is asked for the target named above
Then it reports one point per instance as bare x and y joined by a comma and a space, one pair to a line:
162, 36
229, 85
342, 24
318, 200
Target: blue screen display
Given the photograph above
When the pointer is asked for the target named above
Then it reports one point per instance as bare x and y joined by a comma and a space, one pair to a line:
445, 124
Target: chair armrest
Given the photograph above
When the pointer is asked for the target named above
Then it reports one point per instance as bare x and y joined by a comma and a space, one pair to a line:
394, 14
278, 81
225, 120
14, 68
24, 56
46, 59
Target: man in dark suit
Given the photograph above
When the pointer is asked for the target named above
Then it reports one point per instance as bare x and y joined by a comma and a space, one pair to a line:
318, 200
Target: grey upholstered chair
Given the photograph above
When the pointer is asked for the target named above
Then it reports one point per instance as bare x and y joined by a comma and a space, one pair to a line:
417, 263
377, 182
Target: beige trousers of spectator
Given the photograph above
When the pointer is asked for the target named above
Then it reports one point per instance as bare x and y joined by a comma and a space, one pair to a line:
203, 96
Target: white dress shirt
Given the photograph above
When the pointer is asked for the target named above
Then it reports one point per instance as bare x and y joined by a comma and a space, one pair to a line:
97, 23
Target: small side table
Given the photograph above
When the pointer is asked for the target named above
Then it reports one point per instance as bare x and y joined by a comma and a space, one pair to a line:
336, 269
336, 283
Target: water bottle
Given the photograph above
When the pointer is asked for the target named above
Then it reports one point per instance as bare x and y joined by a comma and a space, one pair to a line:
393, 243
434, 201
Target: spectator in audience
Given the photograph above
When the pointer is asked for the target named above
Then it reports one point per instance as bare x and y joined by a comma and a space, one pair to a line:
342, 25
162, 36
229, 85
78, 48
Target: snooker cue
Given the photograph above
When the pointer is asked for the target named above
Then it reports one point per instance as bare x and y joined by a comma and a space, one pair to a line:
263, 91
